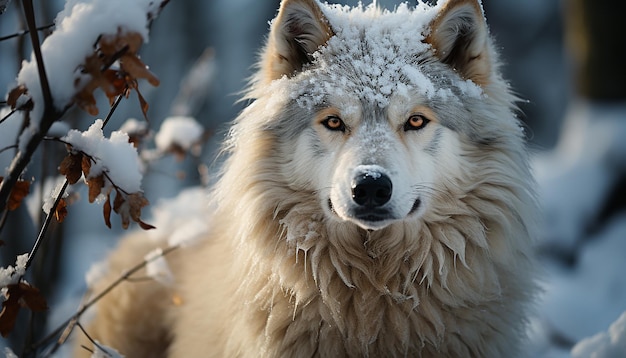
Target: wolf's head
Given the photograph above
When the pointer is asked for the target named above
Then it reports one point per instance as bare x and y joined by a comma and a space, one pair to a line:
379, 112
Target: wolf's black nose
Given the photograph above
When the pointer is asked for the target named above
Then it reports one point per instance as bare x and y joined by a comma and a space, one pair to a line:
371, 189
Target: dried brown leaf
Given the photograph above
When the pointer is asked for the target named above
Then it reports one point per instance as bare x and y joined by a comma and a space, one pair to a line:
119, 200
85, 98
136, 69
19, 191
143, 104
19, 295
145, 226
128, 207
136, 201
85, 165
121, 47
124, 215
61, 211
106, 211
112, 45
15, 94
8, 316
95, 185
116, 84
71, 167
32, 298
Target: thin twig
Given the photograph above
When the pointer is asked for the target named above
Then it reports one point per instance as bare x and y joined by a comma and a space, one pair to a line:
8, 115
29, 12
44, 228
50, 115
69, 323
70, 326
8, 147
46, 224
25, 32
113, 108
96, 344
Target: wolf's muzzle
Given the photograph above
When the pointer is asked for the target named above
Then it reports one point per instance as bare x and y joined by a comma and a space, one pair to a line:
371, 190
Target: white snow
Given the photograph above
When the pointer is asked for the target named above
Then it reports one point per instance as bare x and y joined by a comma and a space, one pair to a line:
192, 230
580, 169
58, 129
574, 302
97, 271
133, 126
78, 27
56, 184
115, 155
611, 344
183, 132
8, 353
182, 219
574, 181
11, 274
372, 171
383, 65
157, 267
587, 299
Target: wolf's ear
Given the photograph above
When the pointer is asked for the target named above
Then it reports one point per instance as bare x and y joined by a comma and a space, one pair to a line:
460, 38
296, 33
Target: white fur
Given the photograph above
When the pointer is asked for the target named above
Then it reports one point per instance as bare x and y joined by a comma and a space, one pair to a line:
284, 274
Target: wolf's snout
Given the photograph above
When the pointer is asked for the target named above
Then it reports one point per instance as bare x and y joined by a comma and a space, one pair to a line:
371, 189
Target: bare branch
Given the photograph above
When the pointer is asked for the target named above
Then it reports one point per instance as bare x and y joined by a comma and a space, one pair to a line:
45, 226
50, 115
29, 12
25, 32
8, 116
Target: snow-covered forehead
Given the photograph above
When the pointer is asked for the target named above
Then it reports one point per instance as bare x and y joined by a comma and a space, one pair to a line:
375, 53
404, 19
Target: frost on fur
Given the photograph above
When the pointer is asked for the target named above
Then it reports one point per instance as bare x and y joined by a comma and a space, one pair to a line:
394, 42
291, 264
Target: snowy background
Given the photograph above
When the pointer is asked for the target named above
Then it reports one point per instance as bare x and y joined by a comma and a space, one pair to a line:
583, 243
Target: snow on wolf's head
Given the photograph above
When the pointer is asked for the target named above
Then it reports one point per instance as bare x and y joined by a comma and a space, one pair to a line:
376, 112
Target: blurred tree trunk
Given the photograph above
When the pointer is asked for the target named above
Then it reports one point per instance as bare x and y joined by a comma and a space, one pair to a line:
596, 37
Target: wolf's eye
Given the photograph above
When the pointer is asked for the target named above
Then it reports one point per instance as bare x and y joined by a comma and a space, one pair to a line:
334, 123
415, 122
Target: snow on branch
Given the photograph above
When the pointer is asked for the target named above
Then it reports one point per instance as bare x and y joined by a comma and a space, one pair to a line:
17, 293
179, 135
95, 45
106, 165
114, 155
117, 29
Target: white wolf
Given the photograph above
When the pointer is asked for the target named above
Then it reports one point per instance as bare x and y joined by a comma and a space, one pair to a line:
376, 201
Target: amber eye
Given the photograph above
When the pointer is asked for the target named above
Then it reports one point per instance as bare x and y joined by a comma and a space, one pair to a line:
334, 123
416, 122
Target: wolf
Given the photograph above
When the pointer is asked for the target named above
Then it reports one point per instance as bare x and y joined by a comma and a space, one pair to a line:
376, 201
